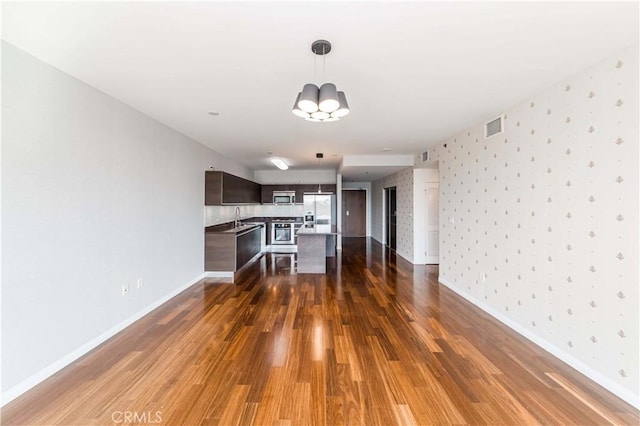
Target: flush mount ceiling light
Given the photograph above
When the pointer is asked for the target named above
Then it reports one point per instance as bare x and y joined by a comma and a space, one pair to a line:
322, 103
279, 163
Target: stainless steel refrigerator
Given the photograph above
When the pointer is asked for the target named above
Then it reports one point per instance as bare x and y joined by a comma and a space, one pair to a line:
322, 208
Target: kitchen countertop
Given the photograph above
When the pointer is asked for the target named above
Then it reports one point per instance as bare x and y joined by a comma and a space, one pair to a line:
248, 223
229, 228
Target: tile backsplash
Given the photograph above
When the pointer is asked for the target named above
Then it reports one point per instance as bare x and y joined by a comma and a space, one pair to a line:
214, 215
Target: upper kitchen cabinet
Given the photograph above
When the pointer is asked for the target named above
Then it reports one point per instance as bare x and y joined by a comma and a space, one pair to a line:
223, 188
299, 189
313, 189
268, 190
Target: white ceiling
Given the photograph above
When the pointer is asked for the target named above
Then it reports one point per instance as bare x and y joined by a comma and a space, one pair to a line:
414, 73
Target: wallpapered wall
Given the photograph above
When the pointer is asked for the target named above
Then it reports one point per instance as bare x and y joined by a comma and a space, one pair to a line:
548, 211
403, 181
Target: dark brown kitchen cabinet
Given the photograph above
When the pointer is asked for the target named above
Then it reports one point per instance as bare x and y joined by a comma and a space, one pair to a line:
248, 245
313, 188
230, 251
267, 192
300, 190
224, 188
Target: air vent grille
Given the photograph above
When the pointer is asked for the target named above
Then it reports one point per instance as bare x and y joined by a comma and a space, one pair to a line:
494, 127
425, 156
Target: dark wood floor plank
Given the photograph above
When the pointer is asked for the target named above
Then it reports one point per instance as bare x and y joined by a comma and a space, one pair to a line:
375, 341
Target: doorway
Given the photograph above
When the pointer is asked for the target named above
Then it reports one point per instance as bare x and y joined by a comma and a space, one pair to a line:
432, 223
354, 213
391, 216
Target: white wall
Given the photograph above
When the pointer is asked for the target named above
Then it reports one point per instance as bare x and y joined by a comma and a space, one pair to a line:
549, 212
94, 195
295, 176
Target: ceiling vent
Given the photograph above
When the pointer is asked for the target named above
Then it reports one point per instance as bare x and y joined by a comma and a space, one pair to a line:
494, 127
425, 156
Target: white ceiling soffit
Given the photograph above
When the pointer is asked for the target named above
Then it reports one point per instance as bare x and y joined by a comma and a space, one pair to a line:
415, 73
366, 168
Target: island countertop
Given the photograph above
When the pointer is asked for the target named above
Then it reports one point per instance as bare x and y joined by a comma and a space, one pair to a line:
319, 230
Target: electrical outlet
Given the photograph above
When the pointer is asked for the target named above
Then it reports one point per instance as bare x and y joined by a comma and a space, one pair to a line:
140, 282
483, 277
125, 289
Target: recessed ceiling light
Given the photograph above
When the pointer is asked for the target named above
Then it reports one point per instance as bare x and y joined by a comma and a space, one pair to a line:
279, 163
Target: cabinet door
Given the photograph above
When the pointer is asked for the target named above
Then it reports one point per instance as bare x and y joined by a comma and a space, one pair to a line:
300, 194
236, 190
248, 245
213, 188
255, 193
233, 189
267, 194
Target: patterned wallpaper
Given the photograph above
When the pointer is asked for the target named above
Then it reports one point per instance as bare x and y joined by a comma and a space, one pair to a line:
403, 181
539, 225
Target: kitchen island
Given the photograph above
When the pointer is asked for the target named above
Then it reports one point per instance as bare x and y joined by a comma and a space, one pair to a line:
314, 246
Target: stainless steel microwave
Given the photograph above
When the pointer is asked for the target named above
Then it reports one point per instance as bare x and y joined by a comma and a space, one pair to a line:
284, 197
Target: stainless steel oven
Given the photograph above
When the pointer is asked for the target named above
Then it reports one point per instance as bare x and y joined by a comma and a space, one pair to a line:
282, 233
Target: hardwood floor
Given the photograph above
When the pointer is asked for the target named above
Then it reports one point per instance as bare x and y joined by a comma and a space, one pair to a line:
375, 341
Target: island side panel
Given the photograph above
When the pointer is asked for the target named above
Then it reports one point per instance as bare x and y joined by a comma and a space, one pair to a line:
311, 254
220, 252
330, 246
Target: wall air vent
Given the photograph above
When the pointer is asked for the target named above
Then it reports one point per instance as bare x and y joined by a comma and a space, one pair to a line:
425, 156
494, 127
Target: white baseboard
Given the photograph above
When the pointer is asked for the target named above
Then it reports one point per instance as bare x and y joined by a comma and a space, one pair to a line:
219, 274
72, 356
404, 256
602, 380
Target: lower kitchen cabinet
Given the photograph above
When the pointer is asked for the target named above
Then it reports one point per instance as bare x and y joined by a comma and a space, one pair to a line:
229, 251
247, 246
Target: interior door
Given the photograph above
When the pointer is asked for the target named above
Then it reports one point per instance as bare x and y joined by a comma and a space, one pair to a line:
432, 223
354, 213
391, 210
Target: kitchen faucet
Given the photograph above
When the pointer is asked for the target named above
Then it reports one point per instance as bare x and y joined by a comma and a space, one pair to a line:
237, 221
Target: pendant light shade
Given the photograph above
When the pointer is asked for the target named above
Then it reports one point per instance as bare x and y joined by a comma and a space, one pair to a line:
297, 111
328, 98
309, 98
343, 109
320, 115
324, 103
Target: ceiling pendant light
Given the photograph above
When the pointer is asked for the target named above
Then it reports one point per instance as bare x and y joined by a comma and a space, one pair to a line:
343, 108
309, 98
297, 111
328, 98
324, 103
319, 156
